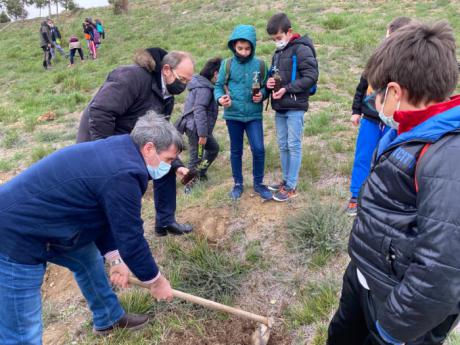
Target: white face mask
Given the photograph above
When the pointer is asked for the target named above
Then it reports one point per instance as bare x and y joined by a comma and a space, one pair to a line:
281, 44
389, 121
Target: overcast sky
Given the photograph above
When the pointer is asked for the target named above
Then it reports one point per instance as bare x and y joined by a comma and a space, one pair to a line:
35, 12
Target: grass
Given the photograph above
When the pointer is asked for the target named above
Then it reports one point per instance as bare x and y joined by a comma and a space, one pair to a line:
319, 230
344, 33
208, 272
316, 301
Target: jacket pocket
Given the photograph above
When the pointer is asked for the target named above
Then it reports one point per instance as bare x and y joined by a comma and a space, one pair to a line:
64, 245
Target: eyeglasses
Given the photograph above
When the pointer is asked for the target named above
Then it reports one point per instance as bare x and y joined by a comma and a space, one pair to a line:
181, 79
371, 99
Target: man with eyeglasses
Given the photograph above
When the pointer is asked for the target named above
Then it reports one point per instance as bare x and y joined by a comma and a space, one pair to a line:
128, 93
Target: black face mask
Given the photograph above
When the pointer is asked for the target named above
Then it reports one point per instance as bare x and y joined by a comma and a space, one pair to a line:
242, 59
176, 87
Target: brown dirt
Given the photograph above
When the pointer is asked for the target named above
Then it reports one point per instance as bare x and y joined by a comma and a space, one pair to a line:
231, 332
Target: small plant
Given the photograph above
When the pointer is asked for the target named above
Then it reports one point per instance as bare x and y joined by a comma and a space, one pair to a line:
40, 152
11, 139
319, 230
205, 271
316, 302
335, 22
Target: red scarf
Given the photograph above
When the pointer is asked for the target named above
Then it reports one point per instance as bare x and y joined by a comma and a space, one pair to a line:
409, 119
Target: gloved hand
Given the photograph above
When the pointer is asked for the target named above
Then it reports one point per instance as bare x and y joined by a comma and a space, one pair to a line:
385, 336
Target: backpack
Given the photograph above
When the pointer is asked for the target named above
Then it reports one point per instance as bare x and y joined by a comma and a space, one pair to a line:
314, 88
228, 63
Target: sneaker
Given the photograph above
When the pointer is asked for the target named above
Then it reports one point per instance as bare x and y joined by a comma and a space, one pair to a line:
236, 191
263, 191
128, 321
352, 208
277, 186
285, 194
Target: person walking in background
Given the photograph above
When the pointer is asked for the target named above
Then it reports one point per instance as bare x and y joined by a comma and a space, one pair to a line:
100, 28
75, 46
56, 39
46, 43
89, 37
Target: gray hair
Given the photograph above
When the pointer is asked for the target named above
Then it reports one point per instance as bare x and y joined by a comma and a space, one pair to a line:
154, 128
174, 58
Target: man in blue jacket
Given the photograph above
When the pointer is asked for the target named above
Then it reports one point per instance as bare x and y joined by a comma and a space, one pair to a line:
71, 207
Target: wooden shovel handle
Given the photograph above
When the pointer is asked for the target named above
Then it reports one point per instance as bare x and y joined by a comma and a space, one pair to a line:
208, 304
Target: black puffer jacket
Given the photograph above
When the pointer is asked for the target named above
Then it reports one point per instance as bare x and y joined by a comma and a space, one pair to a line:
359, 105
306, 75
128, 93
200, 109
407, 243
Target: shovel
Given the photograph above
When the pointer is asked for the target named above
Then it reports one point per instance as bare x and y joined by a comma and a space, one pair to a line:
259, 337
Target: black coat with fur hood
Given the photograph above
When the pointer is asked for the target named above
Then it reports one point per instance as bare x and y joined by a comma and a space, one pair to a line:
127, 94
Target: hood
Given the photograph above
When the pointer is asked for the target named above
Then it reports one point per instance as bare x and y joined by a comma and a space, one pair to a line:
44, 23
243, 32
150, 59
199, 81
304, 40
445, 119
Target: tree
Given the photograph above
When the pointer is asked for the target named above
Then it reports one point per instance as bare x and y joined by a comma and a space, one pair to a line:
69, 5
4, 17
40, 4
16, 9
119, 6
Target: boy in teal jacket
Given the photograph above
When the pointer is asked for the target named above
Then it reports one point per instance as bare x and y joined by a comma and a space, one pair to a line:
242, 102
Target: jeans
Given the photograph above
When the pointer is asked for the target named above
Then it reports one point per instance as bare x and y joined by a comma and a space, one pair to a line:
210, 151
354, 321
57, 47
72, 54
254, 131
20, 294
289, 131
369, 135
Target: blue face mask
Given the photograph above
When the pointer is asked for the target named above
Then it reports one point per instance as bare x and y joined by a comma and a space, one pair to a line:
159, 171
387, 120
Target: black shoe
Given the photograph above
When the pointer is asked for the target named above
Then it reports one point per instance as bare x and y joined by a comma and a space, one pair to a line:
174, 229
131, 322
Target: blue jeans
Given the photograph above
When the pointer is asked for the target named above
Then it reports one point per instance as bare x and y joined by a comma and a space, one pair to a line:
255, 132
289, 131
369, 135
20, 295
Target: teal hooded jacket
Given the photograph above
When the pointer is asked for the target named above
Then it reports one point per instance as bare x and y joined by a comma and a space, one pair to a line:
240, 79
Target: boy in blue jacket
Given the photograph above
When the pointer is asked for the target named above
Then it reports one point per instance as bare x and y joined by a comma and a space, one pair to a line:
243, 106
371, 129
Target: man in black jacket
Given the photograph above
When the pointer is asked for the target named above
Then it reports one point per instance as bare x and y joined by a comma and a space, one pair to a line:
128, 93
403, 282
295, 64
46, 43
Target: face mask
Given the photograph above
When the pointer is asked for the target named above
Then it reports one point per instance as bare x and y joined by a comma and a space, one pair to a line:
243, 59
389, 121
280, 44
159, 171
176, 87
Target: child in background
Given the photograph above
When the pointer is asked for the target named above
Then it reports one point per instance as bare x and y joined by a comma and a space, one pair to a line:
89, 37
371, 129
199, 118
243, 106
100, 28
74, 46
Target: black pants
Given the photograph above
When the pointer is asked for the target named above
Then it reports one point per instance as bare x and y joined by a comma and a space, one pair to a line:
164, 195
72, 54
46, 56
211, 150
354, 321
